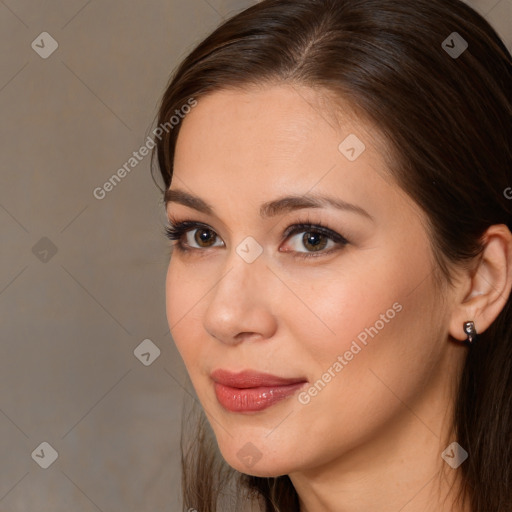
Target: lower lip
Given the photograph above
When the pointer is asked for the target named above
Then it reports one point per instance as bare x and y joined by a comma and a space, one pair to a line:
253, 399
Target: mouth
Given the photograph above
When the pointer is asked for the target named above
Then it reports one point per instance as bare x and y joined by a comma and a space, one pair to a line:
251, 391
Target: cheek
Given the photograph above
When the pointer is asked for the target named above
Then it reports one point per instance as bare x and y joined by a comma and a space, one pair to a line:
386, 343
183, 294
342, 309
377, 319
356, 387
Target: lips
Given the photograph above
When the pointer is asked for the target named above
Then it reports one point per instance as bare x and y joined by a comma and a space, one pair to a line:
250, 391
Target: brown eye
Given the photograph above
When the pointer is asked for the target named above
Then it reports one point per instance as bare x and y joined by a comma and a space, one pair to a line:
204, 237
314, 238
314, 241
310, 240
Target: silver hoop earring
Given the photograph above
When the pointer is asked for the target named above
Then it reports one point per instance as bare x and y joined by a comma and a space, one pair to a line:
469, 329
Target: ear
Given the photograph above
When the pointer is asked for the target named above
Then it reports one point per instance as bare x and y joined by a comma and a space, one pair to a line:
484, 290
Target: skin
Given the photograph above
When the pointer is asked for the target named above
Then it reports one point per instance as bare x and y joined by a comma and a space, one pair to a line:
371, 439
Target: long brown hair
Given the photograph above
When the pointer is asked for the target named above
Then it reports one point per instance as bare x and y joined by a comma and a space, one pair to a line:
447, 120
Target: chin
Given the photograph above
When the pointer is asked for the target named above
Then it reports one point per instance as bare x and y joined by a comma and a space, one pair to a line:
268, 469
251, 458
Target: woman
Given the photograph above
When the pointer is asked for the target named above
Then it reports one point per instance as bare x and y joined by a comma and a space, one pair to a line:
338, 192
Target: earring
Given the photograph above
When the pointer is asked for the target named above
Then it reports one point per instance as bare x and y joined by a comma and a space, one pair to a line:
469, 329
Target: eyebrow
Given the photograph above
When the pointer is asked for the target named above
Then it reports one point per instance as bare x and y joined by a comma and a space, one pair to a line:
271, 208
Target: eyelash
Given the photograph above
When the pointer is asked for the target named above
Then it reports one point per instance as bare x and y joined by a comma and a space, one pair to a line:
175, 231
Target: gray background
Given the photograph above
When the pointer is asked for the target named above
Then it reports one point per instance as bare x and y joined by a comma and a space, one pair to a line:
72, 320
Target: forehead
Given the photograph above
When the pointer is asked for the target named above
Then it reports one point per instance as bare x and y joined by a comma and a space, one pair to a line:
238, 150
280, 128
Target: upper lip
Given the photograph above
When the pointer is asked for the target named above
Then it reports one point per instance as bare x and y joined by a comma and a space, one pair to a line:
251, 379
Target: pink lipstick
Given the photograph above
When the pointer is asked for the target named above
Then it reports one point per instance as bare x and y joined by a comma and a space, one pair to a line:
250, 391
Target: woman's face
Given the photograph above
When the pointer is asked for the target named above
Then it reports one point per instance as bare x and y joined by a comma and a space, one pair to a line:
349, 314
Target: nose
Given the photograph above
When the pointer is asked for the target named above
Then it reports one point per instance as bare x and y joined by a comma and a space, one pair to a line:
240, 306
